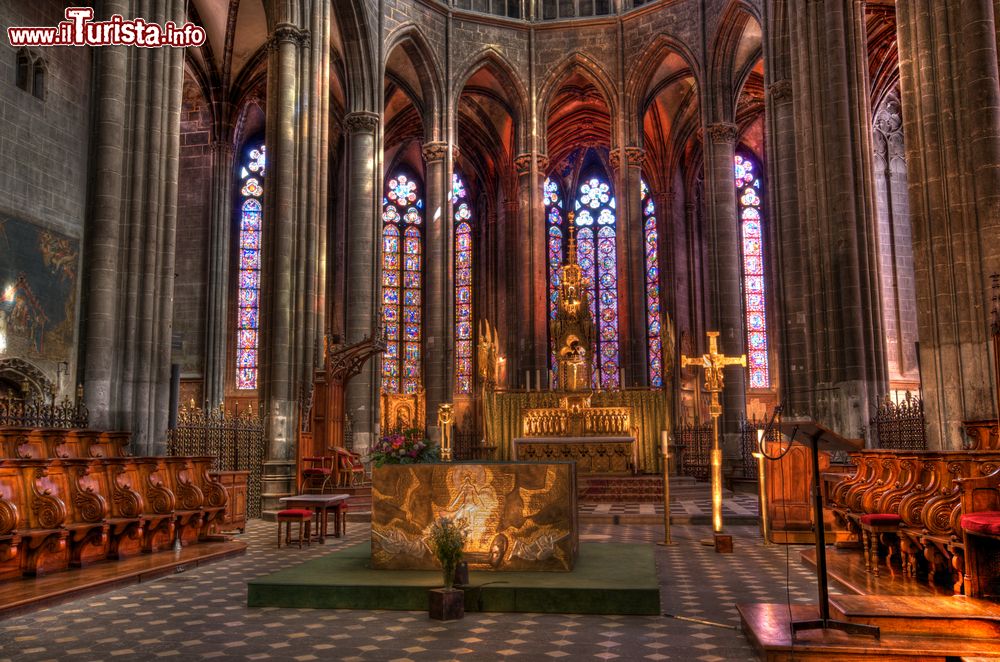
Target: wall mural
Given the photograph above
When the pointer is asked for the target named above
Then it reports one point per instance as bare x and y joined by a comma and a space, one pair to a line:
38, 271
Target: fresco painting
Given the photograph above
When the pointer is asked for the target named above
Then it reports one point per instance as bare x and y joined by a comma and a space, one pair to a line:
38, 272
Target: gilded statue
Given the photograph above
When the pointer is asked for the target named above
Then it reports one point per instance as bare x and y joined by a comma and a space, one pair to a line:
573, 329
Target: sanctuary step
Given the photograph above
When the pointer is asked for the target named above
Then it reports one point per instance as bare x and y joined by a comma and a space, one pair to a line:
636, 489
767, 627
938, 616
847, 566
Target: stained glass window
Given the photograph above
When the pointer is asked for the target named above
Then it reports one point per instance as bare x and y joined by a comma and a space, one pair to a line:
554, 246
463, 286
402, 284
748, 192
248, 300
597, 255
655, 346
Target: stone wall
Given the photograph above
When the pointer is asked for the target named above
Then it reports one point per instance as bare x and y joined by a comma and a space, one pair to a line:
44, 152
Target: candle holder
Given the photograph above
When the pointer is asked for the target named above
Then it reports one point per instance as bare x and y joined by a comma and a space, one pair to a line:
665, 453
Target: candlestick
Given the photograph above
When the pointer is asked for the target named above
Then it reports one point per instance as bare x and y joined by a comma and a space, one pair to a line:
538, 380
664, 442
527, 380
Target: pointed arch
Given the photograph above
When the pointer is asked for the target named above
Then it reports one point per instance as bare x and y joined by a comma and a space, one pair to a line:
593, 72
360, 81
491, 59
642, 85
410, 38
731, 61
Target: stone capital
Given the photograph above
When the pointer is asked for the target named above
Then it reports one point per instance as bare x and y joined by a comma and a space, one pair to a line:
522, 163
434, 151
615, 160
635, 156
780, 90
222, 147
722, 132
285, 33
361, 122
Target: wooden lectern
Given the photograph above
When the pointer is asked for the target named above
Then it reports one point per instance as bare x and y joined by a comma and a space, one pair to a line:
816, 437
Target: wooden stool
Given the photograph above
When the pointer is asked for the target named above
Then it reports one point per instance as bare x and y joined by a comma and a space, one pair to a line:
876, 526
303, 517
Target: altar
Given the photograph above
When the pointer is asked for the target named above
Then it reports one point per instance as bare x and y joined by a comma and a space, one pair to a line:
614, 431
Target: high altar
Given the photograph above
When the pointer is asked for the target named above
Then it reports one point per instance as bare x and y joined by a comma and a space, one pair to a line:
614, 432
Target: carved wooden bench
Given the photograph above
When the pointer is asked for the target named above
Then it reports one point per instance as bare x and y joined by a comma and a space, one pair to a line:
980, 525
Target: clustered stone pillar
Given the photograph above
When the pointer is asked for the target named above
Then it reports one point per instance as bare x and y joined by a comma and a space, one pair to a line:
437, 294
362, 269
216, 318
530, 307
131, 230
951, 110
725, 274
846, 372
632, 282
291, 302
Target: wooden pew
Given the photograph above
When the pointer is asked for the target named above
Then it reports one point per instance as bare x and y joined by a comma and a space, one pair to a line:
159, 500
215, 499
42, 512
121, 482
10, 518
86, 509
980, 524
178, 473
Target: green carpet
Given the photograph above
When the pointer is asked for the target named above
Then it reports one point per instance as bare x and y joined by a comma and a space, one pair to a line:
609, 578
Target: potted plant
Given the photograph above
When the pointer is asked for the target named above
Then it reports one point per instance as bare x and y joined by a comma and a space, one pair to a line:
447, 541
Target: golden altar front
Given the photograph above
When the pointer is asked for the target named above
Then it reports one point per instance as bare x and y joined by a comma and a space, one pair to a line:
518, 516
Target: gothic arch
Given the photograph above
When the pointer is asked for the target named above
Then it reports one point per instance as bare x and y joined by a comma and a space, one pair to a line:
732, 60
587, 67
418, 53
492, 59
640, 87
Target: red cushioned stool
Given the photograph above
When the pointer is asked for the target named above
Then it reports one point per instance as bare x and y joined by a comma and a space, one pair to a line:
874, 527
303, 517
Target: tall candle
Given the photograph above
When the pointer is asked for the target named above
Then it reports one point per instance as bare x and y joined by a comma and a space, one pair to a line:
527, 380
538, 380
621, 377
664, 442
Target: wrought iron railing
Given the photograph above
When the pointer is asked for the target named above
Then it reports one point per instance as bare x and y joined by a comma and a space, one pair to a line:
33, 412
694, 443
469, 446
235, 439
900, 425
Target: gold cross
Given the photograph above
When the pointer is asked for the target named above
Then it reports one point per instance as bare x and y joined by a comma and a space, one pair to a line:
713, 363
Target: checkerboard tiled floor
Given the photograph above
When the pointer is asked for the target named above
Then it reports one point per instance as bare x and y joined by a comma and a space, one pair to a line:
738, 504
202, 613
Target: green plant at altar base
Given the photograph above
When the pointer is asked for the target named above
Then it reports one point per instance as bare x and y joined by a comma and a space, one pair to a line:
405, 447
447, 543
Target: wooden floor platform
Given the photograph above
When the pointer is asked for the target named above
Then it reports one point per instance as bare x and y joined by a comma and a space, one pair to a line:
768, 627
918, 620
23, 595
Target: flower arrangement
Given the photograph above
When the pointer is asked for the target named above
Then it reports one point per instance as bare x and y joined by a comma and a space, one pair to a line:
407, 447
447, 541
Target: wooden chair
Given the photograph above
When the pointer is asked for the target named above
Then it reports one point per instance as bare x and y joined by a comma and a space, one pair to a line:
303, 517
981, 530
350, 468
317, 475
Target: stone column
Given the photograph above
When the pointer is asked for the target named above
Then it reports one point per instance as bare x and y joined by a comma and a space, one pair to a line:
509, 293
129, 302
437, 266
832, 121
363, 250
633, 333
951, 110
530, 271
725, 274
102, 235
216, 319
791, 267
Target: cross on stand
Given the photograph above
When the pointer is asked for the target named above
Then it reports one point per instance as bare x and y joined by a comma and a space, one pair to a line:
713, 363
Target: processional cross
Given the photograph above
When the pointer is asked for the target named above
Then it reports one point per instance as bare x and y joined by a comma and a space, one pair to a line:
713, 362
